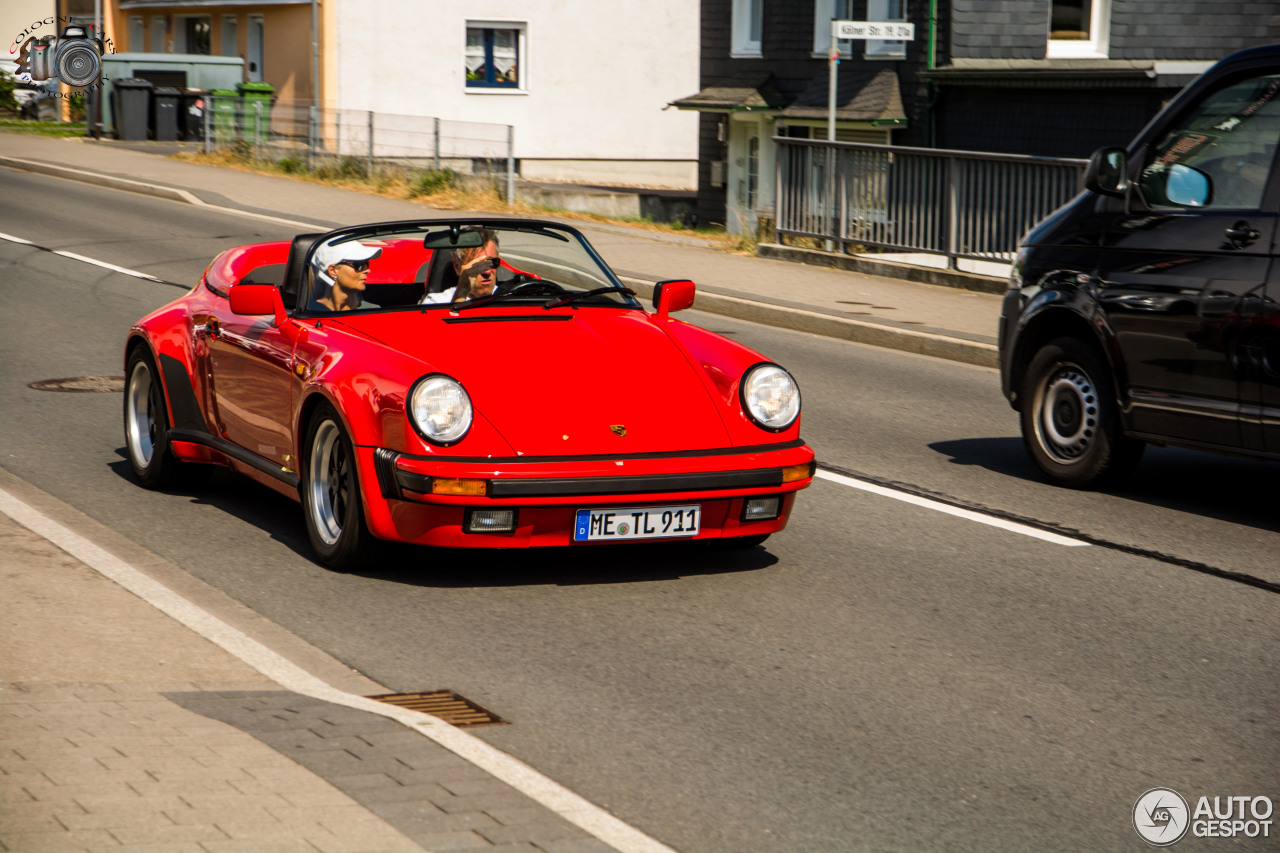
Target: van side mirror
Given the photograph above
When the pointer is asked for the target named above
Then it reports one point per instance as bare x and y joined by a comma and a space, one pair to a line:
1108, 172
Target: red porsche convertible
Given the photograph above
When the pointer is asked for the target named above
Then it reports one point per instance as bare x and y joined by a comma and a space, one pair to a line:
473, 383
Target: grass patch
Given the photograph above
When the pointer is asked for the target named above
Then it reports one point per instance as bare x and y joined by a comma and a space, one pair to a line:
55, 129
442, 189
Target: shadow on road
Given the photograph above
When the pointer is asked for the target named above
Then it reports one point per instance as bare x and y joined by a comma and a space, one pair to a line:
1206, 484
450, 568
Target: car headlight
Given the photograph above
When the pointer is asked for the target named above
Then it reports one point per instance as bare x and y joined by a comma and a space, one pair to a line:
440, 409
770, 397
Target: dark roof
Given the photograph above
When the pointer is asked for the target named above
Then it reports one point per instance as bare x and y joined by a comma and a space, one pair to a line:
859, 97
763, 96
870, 96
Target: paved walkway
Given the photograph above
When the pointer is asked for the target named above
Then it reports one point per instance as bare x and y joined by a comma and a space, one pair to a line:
947, 322
132, 719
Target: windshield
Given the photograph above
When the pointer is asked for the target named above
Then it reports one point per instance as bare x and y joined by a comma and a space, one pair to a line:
445, 265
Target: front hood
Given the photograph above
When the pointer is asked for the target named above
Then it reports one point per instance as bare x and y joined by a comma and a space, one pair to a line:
564, 382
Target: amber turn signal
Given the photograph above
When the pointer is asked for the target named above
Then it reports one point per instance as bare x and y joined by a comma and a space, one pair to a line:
455, 486
794, 473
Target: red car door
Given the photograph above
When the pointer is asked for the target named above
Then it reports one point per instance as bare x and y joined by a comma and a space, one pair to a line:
251, 364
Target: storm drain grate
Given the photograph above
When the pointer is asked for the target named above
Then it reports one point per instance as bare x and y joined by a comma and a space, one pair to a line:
81, 384
446, 705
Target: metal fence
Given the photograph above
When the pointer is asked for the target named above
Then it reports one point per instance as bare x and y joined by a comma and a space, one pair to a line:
960, 204
360, 140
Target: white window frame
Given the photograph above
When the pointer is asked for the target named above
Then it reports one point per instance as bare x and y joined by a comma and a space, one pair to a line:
137, 34
877, 10
180, 32
745, 14
160, 32
229, 40
824, 12
522, 56
1096, 46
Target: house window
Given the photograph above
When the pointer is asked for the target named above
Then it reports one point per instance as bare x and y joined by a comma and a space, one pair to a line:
1079, 28
824, 12
159, 34
748, 24
230, 35
886, 10
137, 34
191, 35
494, 55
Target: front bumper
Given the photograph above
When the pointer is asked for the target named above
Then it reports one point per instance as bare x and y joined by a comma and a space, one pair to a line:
547, 493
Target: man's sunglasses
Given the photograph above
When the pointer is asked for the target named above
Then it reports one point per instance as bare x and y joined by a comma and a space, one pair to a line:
488, 264
358, 266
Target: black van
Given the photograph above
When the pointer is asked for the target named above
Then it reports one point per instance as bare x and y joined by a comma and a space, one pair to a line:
1148, 308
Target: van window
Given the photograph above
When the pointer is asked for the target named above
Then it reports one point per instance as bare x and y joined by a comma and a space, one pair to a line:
1226, 143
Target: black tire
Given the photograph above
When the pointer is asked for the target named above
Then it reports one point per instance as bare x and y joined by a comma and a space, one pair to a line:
1070, 422
146, 430
331, 501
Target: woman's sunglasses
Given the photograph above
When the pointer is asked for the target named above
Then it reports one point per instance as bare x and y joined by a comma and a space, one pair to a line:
358, 266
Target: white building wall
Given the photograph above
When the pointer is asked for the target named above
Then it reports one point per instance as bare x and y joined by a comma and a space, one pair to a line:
595, 78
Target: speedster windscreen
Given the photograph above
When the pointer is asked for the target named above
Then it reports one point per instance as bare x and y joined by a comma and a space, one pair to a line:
414, 267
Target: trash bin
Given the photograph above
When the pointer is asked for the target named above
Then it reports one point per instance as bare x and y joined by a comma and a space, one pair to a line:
225, 104
165, 101
132, 106
191, 114
252, 94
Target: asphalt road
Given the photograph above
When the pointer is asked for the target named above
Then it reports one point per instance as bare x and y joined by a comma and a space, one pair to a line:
880, 676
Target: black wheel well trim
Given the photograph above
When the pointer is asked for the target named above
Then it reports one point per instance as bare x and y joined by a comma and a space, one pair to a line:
1059, 321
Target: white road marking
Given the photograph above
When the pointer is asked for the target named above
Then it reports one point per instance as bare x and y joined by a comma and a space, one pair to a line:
971, 515
572, 807
97, 263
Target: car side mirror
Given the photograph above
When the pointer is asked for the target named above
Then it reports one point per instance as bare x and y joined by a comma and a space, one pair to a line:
256, 299
1108, 172
669, 296
1186, 186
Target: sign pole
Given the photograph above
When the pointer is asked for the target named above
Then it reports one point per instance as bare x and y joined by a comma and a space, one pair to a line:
833, 64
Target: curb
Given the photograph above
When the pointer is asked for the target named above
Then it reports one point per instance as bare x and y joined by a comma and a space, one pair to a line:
795, 319
856, 331
888, 269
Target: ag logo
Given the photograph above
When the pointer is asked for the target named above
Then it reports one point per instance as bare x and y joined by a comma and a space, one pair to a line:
1161, 816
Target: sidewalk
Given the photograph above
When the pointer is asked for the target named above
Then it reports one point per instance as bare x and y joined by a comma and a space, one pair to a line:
123, 729
929, 319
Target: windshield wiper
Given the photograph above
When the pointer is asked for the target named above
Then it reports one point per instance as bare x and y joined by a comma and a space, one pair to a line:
573, 297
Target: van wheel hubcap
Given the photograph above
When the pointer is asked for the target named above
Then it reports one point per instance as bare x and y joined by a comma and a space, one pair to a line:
1068, 416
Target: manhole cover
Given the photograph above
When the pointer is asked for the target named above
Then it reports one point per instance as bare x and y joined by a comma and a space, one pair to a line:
81, 384
446, 705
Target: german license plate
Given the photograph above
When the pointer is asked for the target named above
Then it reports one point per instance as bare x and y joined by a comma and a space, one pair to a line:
649, 522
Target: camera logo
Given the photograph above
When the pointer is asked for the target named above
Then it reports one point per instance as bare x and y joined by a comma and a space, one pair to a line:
1161, 816
73, 57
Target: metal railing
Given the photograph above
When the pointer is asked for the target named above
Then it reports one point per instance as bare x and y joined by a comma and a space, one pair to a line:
960, 204
359, 140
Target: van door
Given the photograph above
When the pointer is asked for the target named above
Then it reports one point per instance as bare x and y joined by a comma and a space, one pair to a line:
1183, 268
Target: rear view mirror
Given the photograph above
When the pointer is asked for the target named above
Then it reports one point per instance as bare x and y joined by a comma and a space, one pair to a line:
671, 296
453, 238
1108, 172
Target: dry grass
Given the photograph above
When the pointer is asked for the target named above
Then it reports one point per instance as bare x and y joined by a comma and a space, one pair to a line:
441, 191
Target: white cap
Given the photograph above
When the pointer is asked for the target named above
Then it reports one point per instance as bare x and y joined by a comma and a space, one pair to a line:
350, 250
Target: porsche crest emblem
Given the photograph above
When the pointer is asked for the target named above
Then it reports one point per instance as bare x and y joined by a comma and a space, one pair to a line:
618, 429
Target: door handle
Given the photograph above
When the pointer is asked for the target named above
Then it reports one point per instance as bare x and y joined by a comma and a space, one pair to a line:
1242, 234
